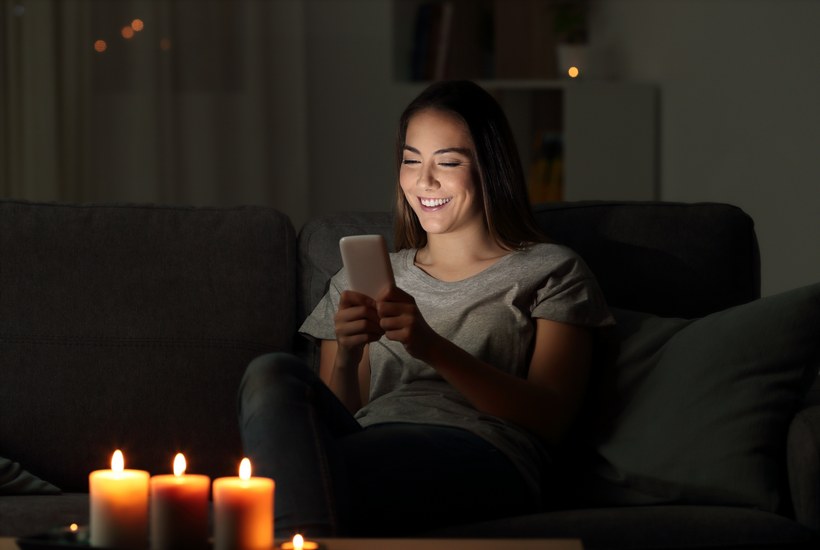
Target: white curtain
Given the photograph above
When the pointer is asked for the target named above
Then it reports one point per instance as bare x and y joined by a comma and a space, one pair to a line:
186, 101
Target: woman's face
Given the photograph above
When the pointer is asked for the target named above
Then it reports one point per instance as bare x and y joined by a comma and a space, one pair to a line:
438, 174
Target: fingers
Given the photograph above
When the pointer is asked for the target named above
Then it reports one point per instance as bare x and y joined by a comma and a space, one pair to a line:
350, 298
395, 294
356, 322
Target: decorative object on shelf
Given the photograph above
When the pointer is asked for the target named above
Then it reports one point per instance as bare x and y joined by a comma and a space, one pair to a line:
452, 39
572, 33
547, 168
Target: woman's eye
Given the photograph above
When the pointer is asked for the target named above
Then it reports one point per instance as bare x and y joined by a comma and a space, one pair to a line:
409, 161
450, 164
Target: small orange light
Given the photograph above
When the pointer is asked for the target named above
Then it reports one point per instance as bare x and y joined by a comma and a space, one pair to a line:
100, 46
127, 32
573, 72
137, 25
73, 527
299, 543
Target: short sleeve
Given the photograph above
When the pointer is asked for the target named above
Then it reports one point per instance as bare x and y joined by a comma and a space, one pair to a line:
570, 294
319, 324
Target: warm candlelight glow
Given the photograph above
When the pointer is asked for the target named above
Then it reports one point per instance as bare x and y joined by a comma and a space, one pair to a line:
245, 469
137, 25
179, 508
243, 511
117, 462
73, 527
118, 515
100, 46
299, 543
573, 72
179, 464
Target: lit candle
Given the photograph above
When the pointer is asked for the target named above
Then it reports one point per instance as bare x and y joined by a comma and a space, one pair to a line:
119, 506
179, 508
243, 511
299, 543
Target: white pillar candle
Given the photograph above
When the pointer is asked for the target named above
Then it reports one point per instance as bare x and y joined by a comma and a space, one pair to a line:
243, 511
179, 509
119, 506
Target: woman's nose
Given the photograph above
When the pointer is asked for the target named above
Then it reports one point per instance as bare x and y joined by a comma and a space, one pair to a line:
428, 179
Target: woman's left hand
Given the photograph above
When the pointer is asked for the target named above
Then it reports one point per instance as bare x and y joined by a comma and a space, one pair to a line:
402, 321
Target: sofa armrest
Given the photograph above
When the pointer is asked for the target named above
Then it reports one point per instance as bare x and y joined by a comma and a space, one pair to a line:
803, 455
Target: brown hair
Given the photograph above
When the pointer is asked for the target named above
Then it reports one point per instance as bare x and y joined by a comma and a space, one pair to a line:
507, 210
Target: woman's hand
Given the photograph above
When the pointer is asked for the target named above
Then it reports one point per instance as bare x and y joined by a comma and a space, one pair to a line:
356, 323
401, 321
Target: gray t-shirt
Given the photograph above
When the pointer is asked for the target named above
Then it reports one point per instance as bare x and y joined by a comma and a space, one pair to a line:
489, 315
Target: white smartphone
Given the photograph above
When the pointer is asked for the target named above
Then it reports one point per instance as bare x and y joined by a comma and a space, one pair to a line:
367, 263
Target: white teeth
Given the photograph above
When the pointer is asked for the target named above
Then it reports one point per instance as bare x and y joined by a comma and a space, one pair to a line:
434, 202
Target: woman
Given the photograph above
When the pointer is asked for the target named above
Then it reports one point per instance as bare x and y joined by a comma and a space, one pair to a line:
437, 402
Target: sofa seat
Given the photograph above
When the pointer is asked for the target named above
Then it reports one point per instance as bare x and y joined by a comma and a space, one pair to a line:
651, 528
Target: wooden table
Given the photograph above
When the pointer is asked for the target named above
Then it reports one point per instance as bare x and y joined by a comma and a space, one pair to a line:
422, 544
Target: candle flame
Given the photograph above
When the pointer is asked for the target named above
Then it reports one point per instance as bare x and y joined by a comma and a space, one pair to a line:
298, 541
245, 469
117, 462
179, 464
73, 527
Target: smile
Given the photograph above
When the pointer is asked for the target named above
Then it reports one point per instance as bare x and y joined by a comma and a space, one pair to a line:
433, 203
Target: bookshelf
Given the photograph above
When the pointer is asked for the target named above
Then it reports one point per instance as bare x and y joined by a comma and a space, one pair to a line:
578, 139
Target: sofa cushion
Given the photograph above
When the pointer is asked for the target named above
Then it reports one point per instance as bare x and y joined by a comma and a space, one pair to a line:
697, 411
14, 480
667, 258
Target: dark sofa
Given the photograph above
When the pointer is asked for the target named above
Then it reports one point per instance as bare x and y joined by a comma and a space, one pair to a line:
129, 326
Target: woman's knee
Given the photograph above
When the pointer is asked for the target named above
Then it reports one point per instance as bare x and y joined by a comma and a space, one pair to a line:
273, 372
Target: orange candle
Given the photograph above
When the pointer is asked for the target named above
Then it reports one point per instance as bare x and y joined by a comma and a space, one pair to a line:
179, 509
119, 506
243, 511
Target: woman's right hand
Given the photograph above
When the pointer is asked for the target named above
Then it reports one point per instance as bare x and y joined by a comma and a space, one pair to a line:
356, 324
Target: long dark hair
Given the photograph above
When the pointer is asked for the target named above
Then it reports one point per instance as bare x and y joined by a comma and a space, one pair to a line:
507, 210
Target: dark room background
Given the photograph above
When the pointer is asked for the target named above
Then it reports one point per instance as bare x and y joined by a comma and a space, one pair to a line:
293, 104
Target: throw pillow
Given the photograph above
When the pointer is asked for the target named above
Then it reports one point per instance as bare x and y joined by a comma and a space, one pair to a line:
14, 480
697, 411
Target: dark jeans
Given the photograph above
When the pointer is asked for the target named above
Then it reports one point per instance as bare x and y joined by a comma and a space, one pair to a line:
334, 478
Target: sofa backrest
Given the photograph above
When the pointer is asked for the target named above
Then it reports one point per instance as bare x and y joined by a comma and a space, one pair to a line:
130, 326
670, 259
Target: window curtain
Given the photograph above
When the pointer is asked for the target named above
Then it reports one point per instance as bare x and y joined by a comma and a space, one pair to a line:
42, 111
170, 101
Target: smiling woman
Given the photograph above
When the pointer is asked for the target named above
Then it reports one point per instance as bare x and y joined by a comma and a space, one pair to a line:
437, 175
470, 136
470, 367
